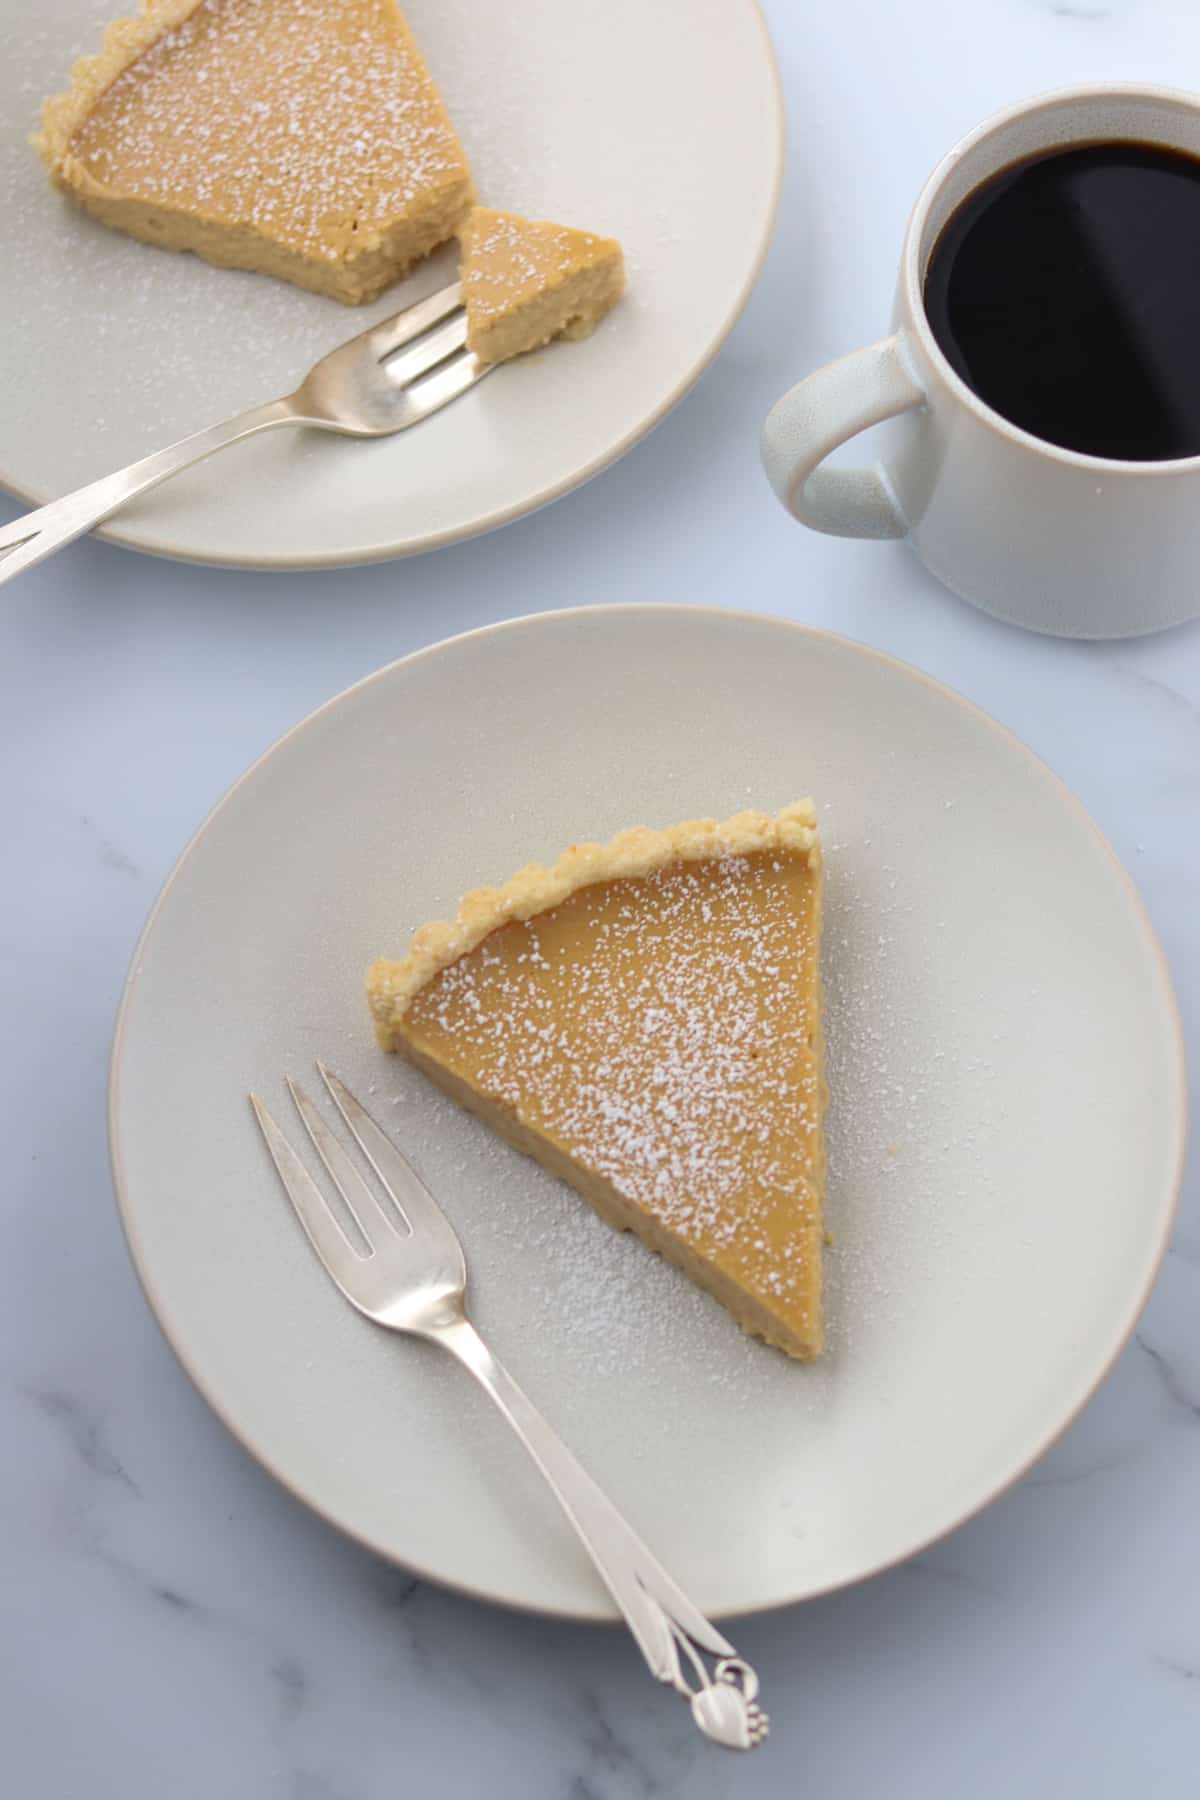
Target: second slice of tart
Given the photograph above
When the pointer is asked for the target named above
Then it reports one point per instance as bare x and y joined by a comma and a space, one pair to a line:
644, 1019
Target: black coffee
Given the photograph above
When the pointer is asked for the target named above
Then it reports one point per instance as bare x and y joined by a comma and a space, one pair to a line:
1066, 292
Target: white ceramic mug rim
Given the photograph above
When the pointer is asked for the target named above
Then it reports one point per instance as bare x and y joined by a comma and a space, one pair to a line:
918, 322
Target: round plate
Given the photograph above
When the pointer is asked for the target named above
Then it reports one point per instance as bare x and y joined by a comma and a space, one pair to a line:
646, 122
1005, 1131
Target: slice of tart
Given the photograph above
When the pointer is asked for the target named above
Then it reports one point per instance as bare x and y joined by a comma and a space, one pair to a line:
304, 141
644, 1018
526, 281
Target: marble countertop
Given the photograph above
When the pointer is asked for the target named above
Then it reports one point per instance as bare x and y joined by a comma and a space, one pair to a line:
172, 1624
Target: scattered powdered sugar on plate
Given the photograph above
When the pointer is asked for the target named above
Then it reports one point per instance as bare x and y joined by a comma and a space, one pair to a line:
905, 1104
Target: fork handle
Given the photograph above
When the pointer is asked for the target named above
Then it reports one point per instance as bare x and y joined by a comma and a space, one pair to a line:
27, 540
662, 1619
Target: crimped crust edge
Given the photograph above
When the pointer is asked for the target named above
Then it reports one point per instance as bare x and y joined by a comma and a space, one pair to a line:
92, 76
391, 986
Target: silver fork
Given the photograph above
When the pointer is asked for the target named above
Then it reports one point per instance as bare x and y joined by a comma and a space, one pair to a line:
381, 381
412, 1277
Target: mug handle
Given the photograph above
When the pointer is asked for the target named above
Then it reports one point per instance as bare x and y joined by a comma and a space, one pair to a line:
817, 415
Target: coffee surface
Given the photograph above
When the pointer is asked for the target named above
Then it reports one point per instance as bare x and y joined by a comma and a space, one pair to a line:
1066, 292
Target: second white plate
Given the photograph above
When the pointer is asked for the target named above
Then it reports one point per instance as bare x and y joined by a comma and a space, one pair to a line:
645, 122
1005, 1133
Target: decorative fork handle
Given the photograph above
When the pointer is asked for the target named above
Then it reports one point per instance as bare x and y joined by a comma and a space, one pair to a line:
664, 1623
27, 540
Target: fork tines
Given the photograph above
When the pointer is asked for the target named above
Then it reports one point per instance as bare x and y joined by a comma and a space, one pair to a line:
406, 1218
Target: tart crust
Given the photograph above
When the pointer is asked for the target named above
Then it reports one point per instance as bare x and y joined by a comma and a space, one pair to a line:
639, 851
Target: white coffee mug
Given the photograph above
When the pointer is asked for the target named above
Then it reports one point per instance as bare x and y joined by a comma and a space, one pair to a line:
1080, 546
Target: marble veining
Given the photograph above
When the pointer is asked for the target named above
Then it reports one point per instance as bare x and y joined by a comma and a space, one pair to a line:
924, 1568
171, 1623
82, 1433
1075, 9
1047, 1475
1186, 1671
393, 1587
1157, 684
1185, 1249
305, 1785
1180, 1392
292, 1682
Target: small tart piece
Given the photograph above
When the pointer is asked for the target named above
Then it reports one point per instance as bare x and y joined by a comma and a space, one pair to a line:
644, 1019
526, 281
303, 141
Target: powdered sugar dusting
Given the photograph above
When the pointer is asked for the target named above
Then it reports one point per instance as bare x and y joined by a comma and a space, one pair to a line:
509, 258
314, 120
628, 1313
664, 1028
907, 1104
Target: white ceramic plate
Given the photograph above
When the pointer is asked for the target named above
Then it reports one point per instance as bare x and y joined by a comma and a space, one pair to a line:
1005, 1133
649, 122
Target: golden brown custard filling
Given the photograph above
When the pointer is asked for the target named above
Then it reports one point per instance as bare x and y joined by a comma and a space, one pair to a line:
663, 1033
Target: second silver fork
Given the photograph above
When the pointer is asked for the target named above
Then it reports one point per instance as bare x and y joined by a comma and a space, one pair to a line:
409, 1274
380, 382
